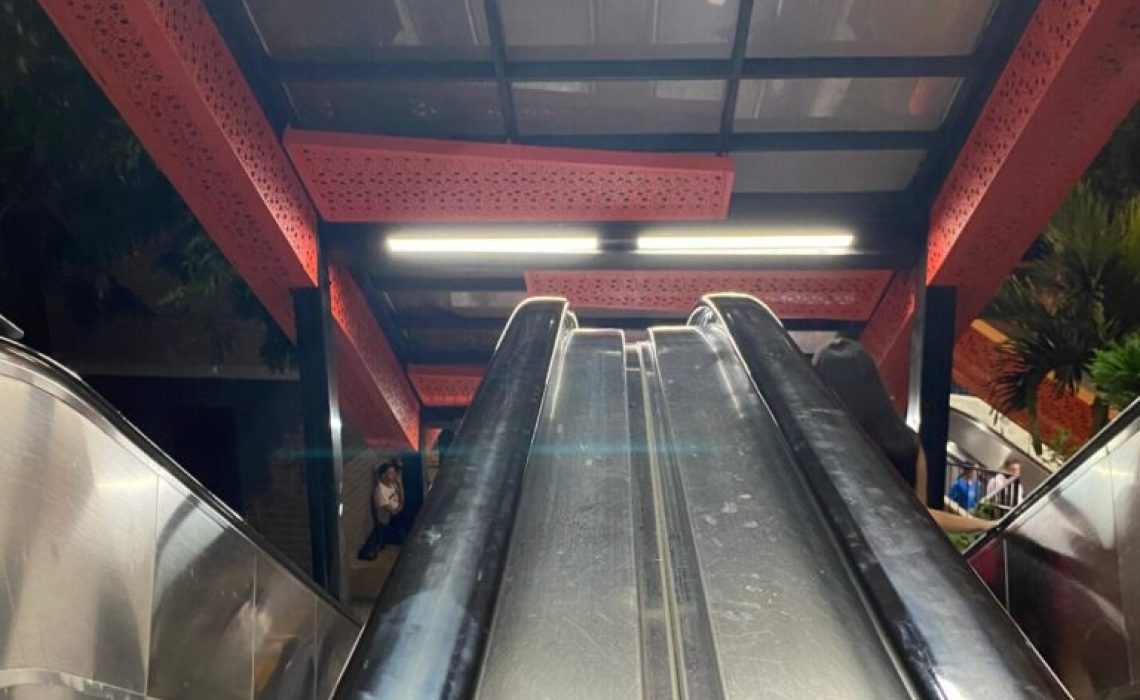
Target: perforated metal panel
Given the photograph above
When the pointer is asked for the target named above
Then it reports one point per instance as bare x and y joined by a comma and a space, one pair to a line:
848, 295
167, 70
1074, 75
165, 67
370, 374
445, 385
375, 178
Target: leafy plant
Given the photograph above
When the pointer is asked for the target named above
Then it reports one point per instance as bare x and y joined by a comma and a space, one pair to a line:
1115, 371
1077, 296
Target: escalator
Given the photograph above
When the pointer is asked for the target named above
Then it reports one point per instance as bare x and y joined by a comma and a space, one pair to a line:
122, 578
690, 515
1065, 563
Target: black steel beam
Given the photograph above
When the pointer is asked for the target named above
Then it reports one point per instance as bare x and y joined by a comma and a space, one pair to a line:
736, 66
499, 53
624, 69
934, 401
760, 141
321, 416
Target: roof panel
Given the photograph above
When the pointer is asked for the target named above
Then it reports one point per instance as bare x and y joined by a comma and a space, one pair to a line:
365, 29
435, 109
607, 29
867, 27
622, 106
825, 171
843, 104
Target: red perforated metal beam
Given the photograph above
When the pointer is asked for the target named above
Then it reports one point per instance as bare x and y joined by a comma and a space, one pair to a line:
976, 363
360, 178
887, 337
842, 295
1074, 75
168, 72
445, 385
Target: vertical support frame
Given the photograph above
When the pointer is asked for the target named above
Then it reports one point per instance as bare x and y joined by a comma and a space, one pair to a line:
320, 408
937, 355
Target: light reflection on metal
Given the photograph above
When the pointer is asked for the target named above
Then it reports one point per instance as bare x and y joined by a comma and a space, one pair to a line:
124, 578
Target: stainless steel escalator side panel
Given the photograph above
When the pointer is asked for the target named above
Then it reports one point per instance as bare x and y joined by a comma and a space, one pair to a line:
122, 576
785, 613
77, 537
1072, 564
200, 566
947, 628
566, 621
427, 631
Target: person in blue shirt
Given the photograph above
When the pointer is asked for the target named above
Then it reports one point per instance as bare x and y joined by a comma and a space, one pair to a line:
966, 489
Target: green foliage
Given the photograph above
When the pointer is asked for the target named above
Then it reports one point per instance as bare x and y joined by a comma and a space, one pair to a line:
74, 180
1077, 296
1115, 371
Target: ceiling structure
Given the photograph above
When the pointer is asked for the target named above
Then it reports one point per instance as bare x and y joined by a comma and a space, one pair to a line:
831, 113
293, 127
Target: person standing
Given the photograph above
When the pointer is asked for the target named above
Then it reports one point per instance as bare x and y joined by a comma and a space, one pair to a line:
966, 489
387, 504
1005, 488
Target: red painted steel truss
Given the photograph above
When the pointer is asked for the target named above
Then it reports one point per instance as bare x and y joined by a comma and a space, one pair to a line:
445, 385
1074, 75
167, 70
359, 178
843, 295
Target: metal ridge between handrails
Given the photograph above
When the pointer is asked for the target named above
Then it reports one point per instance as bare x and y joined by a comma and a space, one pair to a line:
950, 634
426, 635
83, 398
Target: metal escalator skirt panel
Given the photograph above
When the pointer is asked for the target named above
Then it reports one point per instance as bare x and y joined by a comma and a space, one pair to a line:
785, 614
122, 576
426, 633
951, 634
566, 621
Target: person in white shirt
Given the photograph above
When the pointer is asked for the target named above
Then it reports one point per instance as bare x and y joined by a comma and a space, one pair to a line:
387, 503
1006, 486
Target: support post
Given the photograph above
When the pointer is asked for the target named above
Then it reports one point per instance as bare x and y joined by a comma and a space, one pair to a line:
323, 457
934, 410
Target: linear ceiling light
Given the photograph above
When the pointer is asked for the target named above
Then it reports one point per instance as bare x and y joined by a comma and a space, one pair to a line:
730, 241
532, 242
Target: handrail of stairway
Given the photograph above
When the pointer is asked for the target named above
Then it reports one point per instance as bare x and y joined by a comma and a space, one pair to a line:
426, 634
947, 630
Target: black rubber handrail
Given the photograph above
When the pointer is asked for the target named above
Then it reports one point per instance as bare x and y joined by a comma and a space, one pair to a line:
427, 631
125, 431
948, 631
1124, 420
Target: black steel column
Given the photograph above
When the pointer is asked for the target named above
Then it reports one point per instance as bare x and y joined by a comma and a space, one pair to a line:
323, 457
934, 400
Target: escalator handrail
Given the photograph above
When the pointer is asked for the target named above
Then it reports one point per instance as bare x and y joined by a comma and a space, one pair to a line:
907, 568
427, 631
1124, 420
88, 402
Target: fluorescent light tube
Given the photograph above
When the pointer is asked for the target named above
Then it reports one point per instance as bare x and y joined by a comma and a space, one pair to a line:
720, 242
557, 241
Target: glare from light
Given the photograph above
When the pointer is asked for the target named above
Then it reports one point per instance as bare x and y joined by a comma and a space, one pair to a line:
557, 241
689, 242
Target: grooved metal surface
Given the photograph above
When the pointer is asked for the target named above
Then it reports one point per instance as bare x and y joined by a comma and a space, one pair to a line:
571, 564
